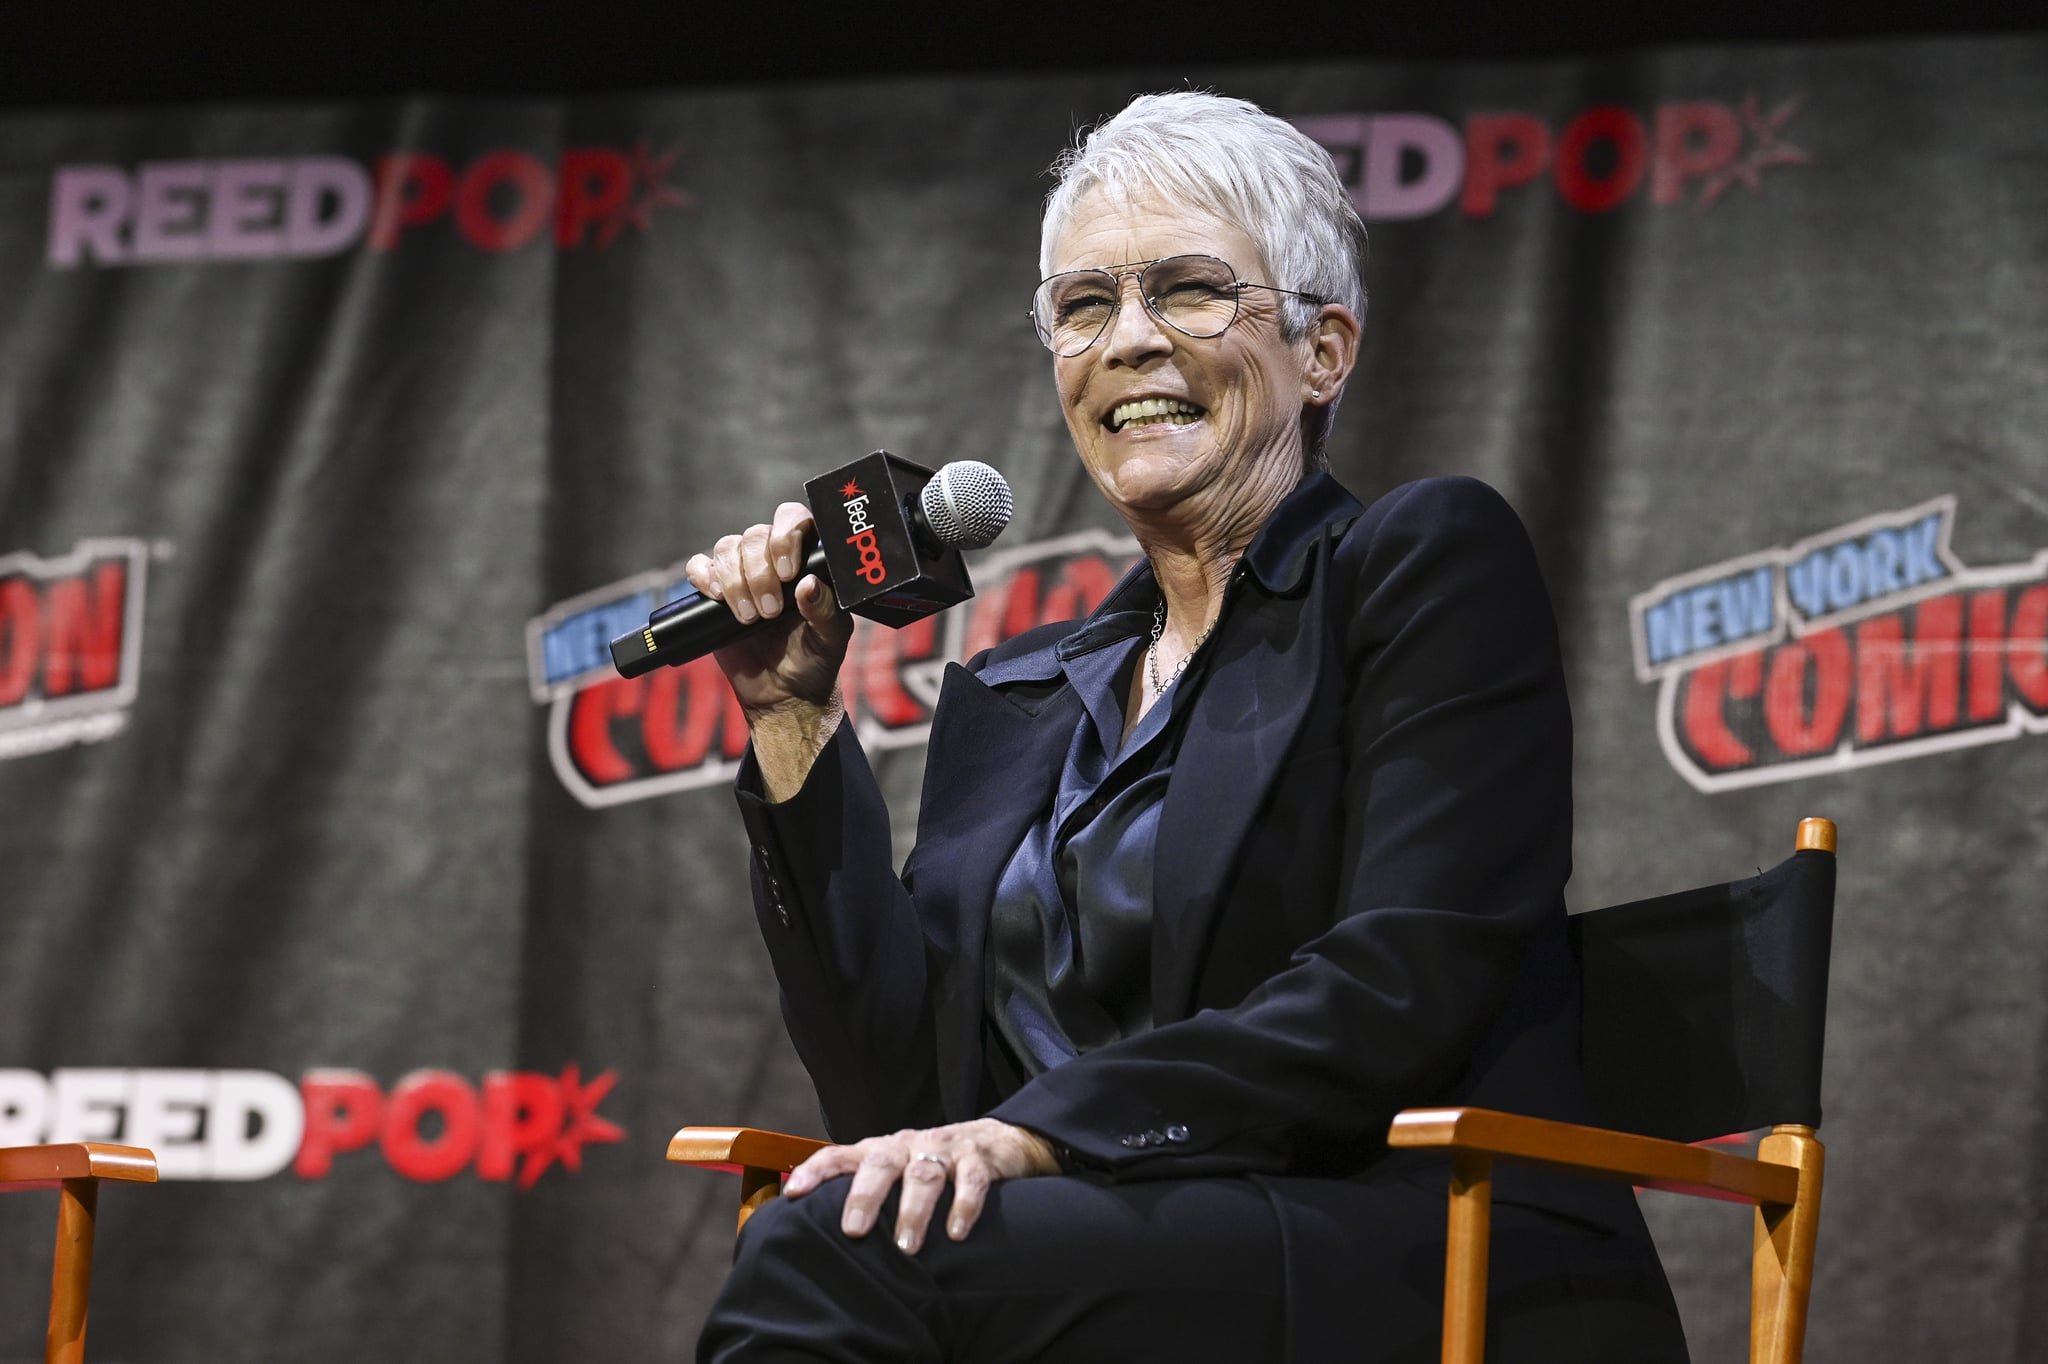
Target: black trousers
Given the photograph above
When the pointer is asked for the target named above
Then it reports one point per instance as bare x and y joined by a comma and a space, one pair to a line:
1185, 1271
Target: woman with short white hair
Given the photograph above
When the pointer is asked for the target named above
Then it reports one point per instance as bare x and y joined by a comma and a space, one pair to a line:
1207, 885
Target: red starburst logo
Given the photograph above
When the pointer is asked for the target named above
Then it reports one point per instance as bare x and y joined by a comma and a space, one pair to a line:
580, 1126
1766, 148
650, 191
850, 491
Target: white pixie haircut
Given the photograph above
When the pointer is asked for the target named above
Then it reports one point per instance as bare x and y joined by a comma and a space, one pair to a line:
1232, 161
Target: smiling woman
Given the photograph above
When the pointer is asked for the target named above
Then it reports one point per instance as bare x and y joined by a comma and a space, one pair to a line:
1207, 885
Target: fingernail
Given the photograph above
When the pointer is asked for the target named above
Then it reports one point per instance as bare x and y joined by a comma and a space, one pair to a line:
906, 1241
855, 1222
957, 1228
783, 567
743, 608
771, 605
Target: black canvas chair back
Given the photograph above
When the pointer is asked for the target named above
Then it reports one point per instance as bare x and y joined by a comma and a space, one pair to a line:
1704, 1012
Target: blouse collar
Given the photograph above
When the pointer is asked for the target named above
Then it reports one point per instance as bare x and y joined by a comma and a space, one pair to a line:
1277, 558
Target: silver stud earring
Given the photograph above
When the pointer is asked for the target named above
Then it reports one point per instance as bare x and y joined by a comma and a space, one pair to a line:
1315, 393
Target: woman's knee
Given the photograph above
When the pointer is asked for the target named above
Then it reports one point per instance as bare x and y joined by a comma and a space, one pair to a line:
801, 1288
786, 1219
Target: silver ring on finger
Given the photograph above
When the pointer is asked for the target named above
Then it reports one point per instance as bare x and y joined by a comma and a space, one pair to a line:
945, 1166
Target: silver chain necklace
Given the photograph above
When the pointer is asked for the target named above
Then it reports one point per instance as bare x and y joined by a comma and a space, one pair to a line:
1152, 654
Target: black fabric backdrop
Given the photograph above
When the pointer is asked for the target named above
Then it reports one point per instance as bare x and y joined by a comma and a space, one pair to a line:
308, 517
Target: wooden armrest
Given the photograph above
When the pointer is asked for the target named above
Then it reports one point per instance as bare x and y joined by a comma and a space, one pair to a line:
759, 1158
1647, 1161
41, 1167
741, 1148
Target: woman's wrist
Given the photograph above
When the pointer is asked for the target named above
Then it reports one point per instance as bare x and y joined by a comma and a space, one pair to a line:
788, 737
1041, 1153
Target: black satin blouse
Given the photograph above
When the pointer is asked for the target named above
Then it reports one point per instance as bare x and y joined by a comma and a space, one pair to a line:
1070, 931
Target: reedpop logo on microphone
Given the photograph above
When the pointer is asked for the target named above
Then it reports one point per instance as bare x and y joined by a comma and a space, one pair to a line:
855, 505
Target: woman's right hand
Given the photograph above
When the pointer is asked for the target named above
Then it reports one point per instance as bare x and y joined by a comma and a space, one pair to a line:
788, 667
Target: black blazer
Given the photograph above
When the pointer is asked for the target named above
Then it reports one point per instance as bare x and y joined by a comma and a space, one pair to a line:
1360, 869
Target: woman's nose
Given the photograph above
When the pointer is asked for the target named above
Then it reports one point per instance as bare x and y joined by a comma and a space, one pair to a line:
1134, 333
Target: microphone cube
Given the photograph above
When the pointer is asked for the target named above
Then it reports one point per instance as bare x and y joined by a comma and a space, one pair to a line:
881, 567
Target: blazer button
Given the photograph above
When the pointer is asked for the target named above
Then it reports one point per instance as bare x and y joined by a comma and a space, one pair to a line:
1131, 1141
1176, 1133
1155, 1138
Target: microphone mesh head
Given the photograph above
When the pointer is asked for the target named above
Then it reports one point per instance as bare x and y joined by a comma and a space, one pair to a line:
966, 504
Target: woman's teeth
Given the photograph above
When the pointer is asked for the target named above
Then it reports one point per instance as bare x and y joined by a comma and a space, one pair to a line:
1151, 411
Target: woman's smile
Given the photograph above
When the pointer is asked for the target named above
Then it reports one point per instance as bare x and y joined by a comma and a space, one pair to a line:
1143, 413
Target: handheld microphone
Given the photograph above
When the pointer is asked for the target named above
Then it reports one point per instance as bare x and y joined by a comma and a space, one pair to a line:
889, 540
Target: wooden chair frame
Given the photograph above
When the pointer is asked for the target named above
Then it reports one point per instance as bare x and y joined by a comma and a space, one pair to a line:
1782, 1181
75, 1169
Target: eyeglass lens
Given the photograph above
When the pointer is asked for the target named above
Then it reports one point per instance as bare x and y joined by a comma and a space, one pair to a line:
1196, 295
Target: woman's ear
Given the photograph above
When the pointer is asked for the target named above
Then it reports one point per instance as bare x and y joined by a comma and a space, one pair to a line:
1333, 350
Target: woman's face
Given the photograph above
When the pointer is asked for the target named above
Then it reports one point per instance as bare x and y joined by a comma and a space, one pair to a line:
1247, 386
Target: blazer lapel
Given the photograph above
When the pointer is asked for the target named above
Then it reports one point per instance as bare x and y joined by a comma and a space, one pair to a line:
1001, 758
1269, 662
1244, 723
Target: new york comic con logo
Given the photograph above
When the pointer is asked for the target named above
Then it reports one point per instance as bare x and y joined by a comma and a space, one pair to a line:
70, 644
1411, 165
300, 207
613, 740
1865, 644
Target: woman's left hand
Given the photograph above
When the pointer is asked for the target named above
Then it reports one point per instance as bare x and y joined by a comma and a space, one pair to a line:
973, 1155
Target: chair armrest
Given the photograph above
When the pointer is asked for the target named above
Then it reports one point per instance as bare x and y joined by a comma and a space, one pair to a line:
42, 1167
759, 1158
741, 1148
1646, 1161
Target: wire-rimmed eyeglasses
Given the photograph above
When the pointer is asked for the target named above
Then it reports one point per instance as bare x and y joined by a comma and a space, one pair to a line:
1197, 296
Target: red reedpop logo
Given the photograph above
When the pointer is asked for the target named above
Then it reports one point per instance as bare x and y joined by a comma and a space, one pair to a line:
434, 1124
1400, 166
305, 207
855, 505
251, 1124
